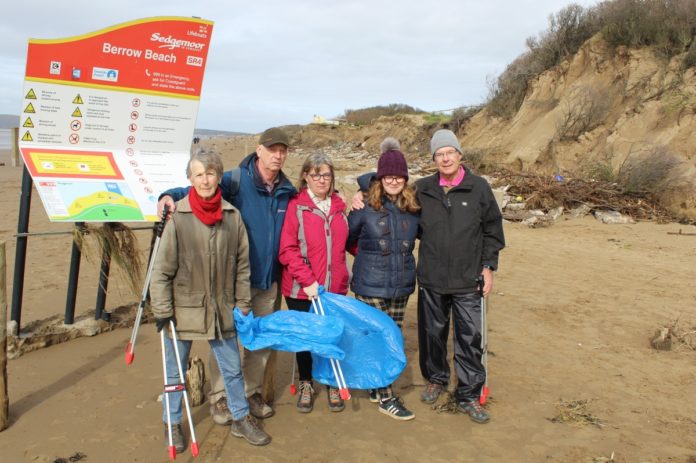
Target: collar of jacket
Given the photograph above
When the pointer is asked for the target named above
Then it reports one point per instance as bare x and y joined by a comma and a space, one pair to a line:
337, 203
388, 205
249, 163
185, 206
431, 185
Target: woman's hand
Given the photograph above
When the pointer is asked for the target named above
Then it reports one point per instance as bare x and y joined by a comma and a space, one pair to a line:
312, 291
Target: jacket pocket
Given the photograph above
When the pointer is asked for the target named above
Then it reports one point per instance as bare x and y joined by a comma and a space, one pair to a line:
190, 311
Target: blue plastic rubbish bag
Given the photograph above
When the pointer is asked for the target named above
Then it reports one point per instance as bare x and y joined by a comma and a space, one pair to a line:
372, 342
291, 331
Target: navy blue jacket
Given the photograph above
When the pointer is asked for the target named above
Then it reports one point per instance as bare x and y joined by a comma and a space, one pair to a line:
263, 214
384, 265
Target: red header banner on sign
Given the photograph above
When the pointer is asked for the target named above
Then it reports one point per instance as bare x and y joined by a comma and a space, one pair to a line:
162, 55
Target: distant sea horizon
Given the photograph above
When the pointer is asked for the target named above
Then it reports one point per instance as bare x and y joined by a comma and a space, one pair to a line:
6, 136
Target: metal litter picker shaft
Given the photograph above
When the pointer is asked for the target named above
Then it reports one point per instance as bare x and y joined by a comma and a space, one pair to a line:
176, 387
335, 364
130, 347
483, 398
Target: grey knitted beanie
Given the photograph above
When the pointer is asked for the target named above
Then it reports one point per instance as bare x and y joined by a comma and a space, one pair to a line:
443, 138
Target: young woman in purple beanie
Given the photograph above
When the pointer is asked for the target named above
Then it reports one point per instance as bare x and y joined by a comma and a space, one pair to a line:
384, 270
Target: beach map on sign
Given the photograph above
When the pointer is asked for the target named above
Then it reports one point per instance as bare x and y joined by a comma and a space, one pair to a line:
107, 117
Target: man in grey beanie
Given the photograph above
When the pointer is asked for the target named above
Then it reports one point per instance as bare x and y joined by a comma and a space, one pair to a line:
461, 234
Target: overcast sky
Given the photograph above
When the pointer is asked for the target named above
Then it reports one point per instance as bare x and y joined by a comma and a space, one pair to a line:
280, 62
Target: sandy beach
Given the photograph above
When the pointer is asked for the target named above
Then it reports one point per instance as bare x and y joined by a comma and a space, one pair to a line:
573, 309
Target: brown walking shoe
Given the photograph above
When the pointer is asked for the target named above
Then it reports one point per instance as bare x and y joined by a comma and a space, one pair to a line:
475, 410
305, 402
258, 407
336, 403
220, 412
249, 429
431, 393
178, 438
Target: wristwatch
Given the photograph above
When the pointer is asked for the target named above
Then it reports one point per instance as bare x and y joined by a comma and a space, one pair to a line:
489, 267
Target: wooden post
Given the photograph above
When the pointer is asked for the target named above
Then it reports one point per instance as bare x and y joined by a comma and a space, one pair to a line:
4, 399
15, 146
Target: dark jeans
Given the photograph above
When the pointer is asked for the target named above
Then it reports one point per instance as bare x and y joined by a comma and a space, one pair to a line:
304, 359
433, 329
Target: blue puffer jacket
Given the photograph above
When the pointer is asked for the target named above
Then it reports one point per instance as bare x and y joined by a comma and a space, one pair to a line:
263, 214
384, 265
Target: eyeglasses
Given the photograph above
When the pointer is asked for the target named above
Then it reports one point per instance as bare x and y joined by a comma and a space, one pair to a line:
316, 177
393, 179
446, 154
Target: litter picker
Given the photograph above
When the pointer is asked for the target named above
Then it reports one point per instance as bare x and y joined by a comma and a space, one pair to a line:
130, 347
335, 364
484, 344
176, 387
293, 388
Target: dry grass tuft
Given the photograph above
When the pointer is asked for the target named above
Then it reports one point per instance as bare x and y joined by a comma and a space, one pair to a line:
576, 412
120, 243
683, 333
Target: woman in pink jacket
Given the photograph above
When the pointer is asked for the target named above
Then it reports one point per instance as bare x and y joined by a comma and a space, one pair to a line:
312, 252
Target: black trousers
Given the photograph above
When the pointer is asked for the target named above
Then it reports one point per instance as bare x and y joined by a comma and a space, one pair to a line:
433, 330
304, 359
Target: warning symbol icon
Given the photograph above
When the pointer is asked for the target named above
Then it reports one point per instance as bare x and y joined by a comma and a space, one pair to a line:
78, 99
28, 123
30, 94
77, 112
30, 109
27, 137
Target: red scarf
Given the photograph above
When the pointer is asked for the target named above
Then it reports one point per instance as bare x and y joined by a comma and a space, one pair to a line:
208, 211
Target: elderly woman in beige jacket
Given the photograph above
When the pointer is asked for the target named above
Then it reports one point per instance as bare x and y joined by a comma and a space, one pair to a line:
201, 273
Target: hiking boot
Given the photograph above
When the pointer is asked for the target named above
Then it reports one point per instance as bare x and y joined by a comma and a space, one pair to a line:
474, 409
258, 407
220, 413
374, 396
335, 402
431, 393
305, 402
249, 429
394, 407
178, 438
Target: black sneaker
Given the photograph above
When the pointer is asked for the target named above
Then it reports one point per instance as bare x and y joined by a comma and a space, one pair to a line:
394, 408
474, 409
374, 396
178, 438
